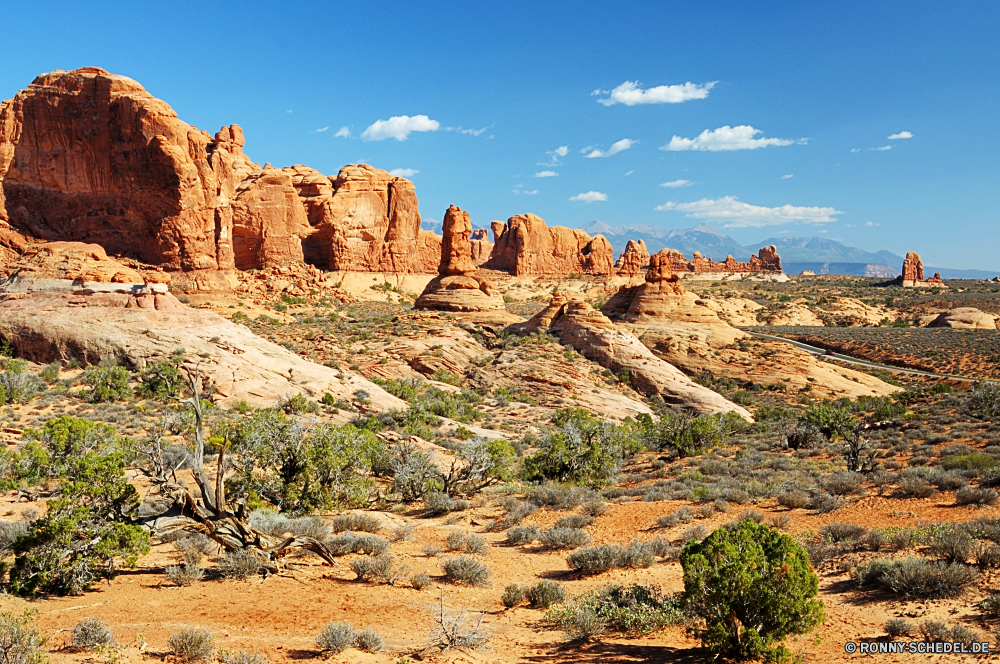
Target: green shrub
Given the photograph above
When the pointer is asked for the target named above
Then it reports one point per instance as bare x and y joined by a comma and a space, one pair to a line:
466, 570
582, 450
18, 385
90, 633
21, 642
192, 645
974, 461
512, 596
160, 380
687, 435
50, 374
107, 383
752, 586
917, 577
633, 610
336, 637
832, 420
544, 594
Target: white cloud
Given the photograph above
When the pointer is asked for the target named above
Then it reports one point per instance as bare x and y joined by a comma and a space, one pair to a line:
399, 127
787, 177
319, 131
344, 132
871, 223
737, 214
546, 174
288, 111
630, 94
617, 147
590, 197
724, 138
403, 172
472, 132
882, 149
519, 189
554, 155
677, 184
629, 173
853, 150
902, 134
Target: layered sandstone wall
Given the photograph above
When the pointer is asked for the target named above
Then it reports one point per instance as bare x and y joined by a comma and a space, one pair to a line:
526, 246
633, 260
765, 260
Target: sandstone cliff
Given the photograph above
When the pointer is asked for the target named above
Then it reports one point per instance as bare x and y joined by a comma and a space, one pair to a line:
481, 246
633, 260
526, 246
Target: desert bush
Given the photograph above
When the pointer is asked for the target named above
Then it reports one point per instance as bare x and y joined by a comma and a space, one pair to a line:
240, 564
466, 570
976, 496
380, 568
107, 383
523, 535
90, 633
824, 503
842, 532
467, 543
192, 645
731, 581
603, 557
986, 555
336, 637
990, 605
687, 435
357, 522
277, 524
984, 400
10, 531
934, 631
916, 487
50, 374
160, 380
595, 507
842, 483
574, 521
18, 385
184, 575
420, 581
896, 627
831, 420
916, 577
544, 594
633, 610
368, 640
804, 436
564, 538
21, 641
781, 521
954, 547
242, 657
947, 481
583, 449
698, 533
440, 503
413, 472
403, 533
793, 499
366, 543
512, 596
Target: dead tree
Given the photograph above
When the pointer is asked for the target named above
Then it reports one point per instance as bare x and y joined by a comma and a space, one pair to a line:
211, 515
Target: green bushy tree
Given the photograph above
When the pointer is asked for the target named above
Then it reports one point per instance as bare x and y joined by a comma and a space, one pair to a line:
752, 586
107, 383
160, 380
833, 421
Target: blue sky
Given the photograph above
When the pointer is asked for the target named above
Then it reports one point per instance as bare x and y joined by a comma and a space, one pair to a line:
492, 91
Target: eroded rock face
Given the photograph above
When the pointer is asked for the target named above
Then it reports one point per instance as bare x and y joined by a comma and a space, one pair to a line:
765, 260
593, 335
268, 220
457, 288
913, 273
633, 260
526, 246
965, 318
90, 155
481, 246
65, 266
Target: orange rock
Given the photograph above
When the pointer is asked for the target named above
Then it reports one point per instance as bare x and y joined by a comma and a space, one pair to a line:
481, 246
633, 260
268, 220
526, 246
913, 273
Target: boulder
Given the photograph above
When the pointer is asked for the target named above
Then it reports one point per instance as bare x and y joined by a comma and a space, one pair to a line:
457, 288
85, 154
967, 318
633, 260
526, 246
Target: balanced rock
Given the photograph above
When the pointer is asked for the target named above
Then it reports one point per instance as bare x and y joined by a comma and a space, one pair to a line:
481, 246
967, 318
526, 246
593, 335
456, 288
633, 260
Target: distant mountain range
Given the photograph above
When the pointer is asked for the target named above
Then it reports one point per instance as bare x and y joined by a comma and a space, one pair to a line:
818, 254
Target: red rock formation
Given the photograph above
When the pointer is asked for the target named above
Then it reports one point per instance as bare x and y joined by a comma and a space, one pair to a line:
913, 273
456, 288
768, 261
633, 260
662, 296
91, 155
481, 246
268, 221
526, 246
429, 251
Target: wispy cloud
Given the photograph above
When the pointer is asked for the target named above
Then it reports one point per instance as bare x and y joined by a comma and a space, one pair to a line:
629, 173
737, 214
319, 131
590, 197
546, 174
630, 93
403, 172
902, 134
882, 149
615, 148
676, 184
853, 150
554, 155
344, 132
399, 127
741, 137
789, 176
288, 111
871, 223
519, 189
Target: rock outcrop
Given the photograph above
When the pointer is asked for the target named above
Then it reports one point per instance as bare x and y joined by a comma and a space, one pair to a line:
268, 220
88, 155
967, 318
913, 273
594, 336
526, 246
765, 260
138, 329
481, 246
633, 260
456, 288
68, 266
